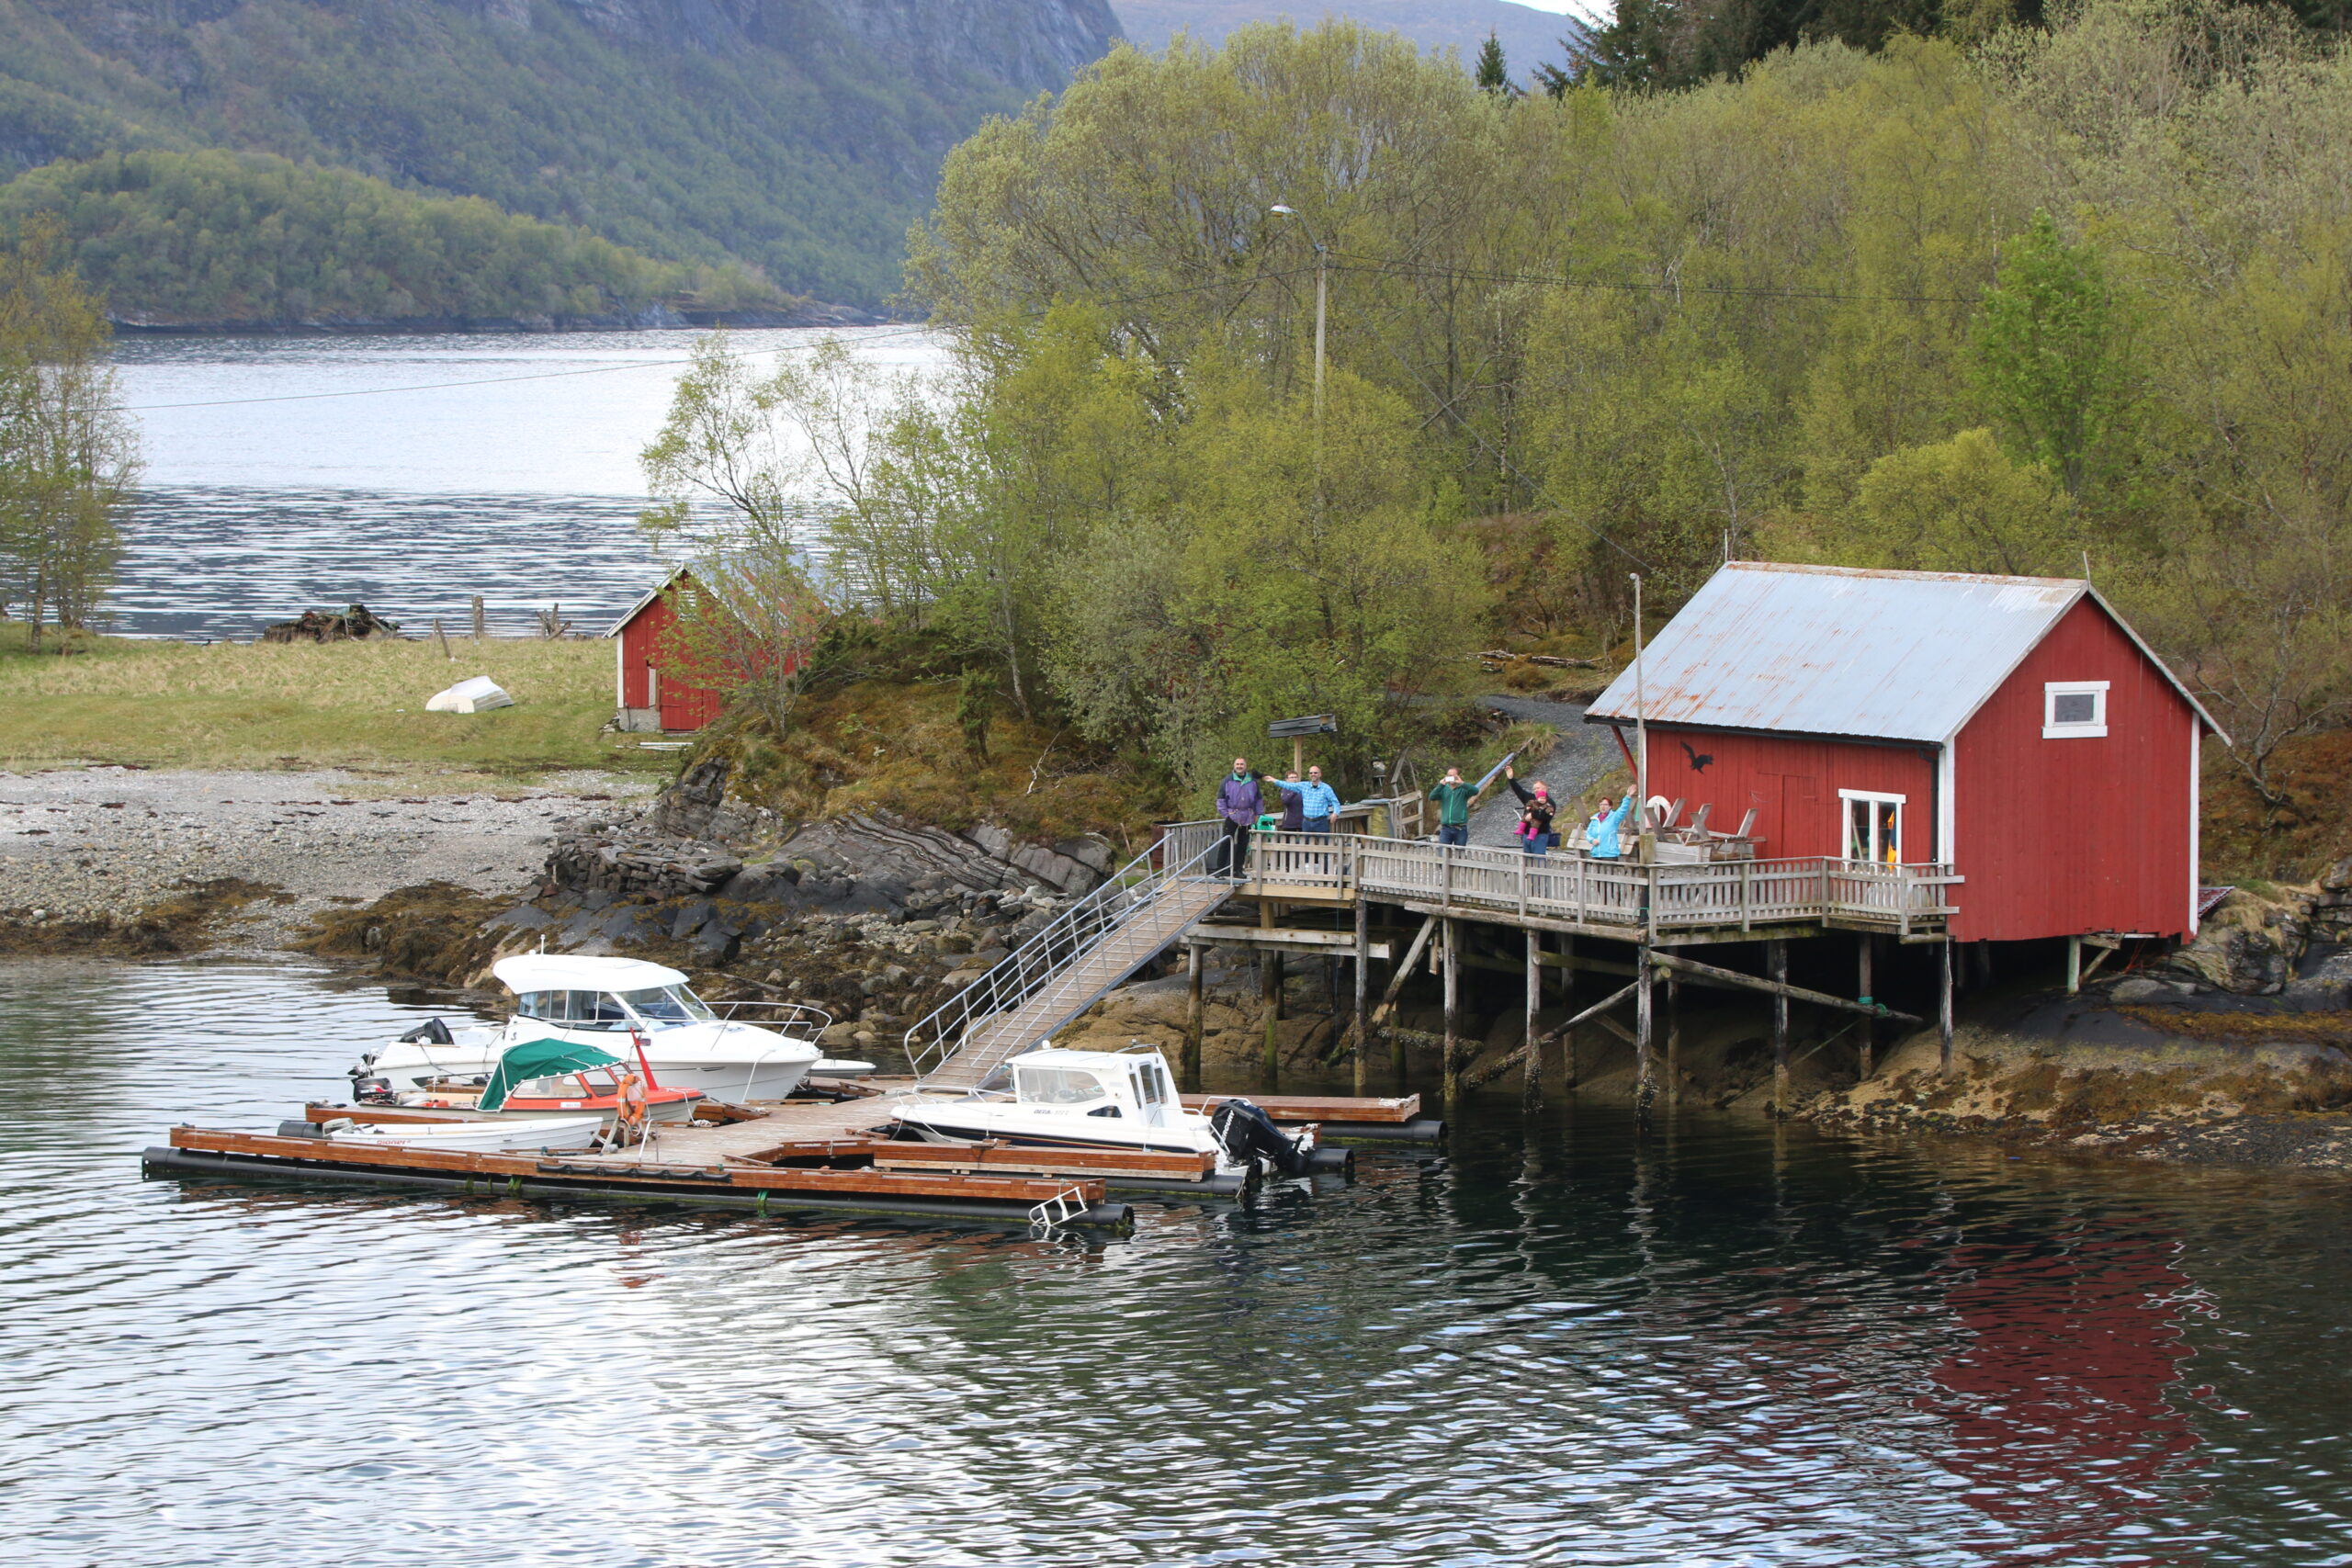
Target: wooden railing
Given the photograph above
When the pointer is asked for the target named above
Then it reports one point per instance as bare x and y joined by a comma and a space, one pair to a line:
1907, 900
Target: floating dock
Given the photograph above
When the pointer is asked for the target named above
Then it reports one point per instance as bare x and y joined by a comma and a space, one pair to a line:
803, 1154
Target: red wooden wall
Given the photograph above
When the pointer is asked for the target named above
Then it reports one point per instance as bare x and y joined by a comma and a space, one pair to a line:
2087, 834
1792, 782
2055, 837
683, 706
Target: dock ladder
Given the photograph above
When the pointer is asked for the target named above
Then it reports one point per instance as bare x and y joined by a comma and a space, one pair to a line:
1058, 974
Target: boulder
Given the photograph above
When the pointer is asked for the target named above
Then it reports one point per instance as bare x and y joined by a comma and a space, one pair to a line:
2248, 946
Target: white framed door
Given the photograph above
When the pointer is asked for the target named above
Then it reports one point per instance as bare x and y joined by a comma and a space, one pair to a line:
1872, 830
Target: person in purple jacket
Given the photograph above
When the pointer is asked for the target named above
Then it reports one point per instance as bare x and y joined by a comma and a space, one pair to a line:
1237, 805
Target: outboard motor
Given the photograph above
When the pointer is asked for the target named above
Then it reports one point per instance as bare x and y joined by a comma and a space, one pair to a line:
431, 1032
370, 1091
1246, 1133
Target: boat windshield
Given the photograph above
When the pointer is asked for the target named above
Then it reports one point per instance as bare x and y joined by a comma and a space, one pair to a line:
574, 1010
668, 1006
1059, 1086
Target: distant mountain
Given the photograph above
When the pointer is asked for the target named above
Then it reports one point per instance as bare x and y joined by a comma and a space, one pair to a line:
1528, 35
801, 137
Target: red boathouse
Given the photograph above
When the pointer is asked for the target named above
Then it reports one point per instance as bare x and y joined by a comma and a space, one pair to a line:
649, 700
2012, 729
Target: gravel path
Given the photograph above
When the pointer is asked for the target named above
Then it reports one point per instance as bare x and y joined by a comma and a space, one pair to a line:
94, 842
1584, 753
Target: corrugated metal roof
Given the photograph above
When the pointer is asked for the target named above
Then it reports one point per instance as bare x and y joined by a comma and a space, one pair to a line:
1827, 650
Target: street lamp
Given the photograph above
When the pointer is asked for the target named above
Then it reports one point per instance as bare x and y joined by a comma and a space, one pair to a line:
1322, 301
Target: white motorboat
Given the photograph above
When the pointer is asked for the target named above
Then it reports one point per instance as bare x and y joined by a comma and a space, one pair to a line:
607, 1001
489, 1136
1104, 1100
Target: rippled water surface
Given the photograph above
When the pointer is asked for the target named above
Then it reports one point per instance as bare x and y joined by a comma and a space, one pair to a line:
408, 472
1713, 1347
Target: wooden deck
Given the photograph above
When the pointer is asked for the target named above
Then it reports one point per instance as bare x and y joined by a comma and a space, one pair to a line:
1660, 905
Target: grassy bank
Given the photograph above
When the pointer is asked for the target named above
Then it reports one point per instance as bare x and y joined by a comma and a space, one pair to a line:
353, 705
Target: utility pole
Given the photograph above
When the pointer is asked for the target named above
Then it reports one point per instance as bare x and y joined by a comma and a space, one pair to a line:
1641, 730
1322, 312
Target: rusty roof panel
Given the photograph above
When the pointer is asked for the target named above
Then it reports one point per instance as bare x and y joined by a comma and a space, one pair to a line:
1825, 650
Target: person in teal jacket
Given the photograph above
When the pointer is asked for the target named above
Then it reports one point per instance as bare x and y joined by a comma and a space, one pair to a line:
1600, 833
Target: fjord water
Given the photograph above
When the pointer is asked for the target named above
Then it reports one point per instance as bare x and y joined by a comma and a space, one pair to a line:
407, 472
1721, 1345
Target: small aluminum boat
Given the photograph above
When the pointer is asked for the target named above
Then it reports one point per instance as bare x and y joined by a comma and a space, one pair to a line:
488, 1135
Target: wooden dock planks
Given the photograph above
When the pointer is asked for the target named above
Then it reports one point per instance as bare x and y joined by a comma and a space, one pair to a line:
1398, 1110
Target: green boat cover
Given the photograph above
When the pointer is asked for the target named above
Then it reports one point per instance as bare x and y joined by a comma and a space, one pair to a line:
539, 1059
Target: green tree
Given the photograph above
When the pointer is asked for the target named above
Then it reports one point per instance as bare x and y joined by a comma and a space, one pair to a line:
68, 455
2053, 353
1492, 75
1961, 505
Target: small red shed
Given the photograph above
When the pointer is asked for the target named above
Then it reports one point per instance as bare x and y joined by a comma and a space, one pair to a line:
2012, 729
649, 702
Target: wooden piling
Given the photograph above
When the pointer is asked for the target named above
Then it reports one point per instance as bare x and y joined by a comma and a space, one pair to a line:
1673, 1039
1943, 1012
1270, 993
1776, 963
1194, 1015
1567, 999
2074, 965
1644, 1076
1869, 1027
1363, 984
1452, 1050
1531, 1088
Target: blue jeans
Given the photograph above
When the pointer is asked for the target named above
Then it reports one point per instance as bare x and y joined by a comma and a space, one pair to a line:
1318, 826
1454, 835
1536, 844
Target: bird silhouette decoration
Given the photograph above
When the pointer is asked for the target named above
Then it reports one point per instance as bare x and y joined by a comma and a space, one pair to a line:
1698, 760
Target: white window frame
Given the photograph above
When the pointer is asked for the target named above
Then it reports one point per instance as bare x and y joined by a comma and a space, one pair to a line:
2053, 730
1846, 798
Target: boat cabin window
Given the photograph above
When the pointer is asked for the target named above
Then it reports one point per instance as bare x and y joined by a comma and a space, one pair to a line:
668, 1005
574, 1010
595, 1081
1059, 1086
1152, 1084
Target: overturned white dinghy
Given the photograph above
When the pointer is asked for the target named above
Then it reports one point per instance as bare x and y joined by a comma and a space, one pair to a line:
478, 695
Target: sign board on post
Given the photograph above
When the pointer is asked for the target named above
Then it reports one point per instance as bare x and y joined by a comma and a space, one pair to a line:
1295, 731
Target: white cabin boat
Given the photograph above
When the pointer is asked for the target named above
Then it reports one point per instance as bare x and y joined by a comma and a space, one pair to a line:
605, 1001
1102, 1099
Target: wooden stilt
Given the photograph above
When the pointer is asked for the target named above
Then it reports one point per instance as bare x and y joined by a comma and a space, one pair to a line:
1269, 1064
1943, 1012
1363, 984
1452, 1063
1644, 1076
1568, 998
1531, 1086
1194, 1016
1863, 955
1673, 1039
1776, 962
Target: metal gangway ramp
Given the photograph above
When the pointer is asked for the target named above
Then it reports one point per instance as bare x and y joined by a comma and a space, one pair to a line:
1069, 966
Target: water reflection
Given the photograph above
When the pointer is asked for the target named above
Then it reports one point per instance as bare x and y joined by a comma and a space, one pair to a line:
1730, 1345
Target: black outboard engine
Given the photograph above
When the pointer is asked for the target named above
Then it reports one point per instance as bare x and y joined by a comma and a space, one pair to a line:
1246, 1133
432, 1033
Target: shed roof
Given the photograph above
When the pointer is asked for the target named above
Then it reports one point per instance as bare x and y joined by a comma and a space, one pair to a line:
639, 607
1831, 651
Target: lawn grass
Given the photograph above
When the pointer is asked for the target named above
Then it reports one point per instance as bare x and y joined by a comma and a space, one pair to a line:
350, 704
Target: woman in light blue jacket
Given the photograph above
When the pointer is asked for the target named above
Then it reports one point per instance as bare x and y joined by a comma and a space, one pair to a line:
1600, 833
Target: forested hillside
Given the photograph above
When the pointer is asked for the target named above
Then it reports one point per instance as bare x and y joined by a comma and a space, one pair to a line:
228, 238
799, 137
2045, 299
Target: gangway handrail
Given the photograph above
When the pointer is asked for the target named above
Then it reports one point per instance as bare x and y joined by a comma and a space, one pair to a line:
1070, 937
